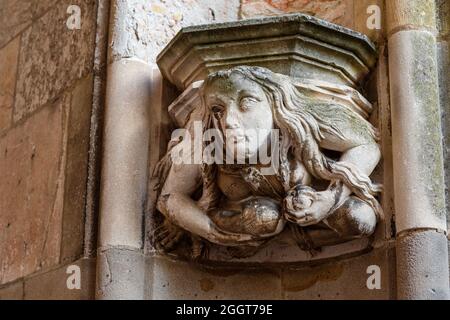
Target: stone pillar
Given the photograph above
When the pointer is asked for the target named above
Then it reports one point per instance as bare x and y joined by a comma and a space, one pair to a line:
120, 260
422, 253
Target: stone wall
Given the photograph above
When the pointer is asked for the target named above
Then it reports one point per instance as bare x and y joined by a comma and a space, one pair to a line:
46, 87
50, 118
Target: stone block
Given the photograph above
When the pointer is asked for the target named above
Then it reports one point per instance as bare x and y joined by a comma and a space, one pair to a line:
15, 16
120, 274
426, 275
8, 71
336, 11
157, 24
410, 13
12, 291
52, 285
366, 11
125, 155
174, 279
31, 193
53, 57
77, 147
344, 279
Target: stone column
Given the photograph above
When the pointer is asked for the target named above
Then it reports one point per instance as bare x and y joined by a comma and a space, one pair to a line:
120, 259
422, 253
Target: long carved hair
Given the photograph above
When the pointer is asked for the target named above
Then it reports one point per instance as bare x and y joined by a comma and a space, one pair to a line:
302, 122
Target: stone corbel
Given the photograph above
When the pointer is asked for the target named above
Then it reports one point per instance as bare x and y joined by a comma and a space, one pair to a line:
319, 60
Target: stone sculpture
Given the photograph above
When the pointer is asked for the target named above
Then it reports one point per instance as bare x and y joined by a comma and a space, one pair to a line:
320, 187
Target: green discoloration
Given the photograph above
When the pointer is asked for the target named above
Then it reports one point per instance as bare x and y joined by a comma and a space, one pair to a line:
425, 86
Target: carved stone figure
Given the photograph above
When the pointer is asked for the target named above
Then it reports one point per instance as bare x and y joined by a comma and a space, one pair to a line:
321, 188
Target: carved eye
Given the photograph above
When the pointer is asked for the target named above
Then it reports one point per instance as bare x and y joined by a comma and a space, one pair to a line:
248, 102
217, 111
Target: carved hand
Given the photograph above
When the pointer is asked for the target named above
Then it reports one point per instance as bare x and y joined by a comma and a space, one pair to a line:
305, 206
231, 239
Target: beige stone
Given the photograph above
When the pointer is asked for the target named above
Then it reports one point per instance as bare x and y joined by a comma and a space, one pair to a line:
31, 191
52, 57
12, 291
403, 14
125, 155
345, 279
75, 171
8, 70
304, 47
336, 11
15, 16
416, 132
141, 30
422, 266
361, 17
52, 285
170, 279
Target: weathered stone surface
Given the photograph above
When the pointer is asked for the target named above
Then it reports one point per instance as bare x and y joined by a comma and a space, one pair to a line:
410, 13
336, 11
77, 146
170, 279
8, 70
416, 132
52, 285
12, 291
304, 47
31, 191
15, 16
52, 57
444, 97
125, 153
142, 29
121, 274
426, 277
366, 11
346, 279
443, 7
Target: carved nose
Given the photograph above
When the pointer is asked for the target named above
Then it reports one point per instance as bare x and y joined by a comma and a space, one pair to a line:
231, 121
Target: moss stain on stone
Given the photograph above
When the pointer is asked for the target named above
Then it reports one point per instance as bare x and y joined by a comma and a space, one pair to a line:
299, 280
425, 86
206, 284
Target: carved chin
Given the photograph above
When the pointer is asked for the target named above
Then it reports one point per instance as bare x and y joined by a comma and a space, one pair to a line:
241, 150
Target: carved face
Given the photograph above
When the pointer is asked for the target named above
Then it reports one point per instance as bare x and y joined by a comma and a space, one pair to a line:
241, 111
